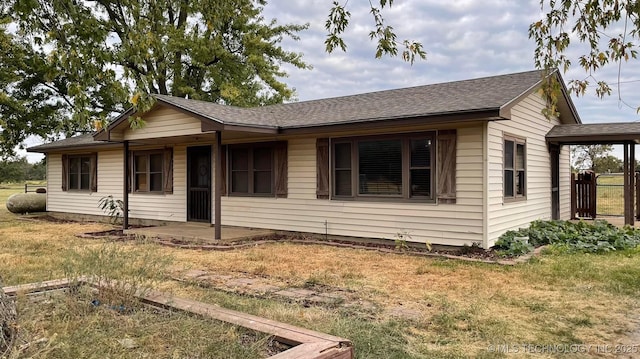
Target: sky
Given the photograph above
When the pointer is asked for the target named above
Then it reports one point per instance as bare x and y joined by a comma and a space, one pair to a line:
463, 39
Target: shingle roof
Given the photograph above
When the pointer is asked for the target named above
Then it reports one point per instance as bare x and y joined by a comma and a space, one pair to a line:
84, 140
488, 93
595, 133
458, 97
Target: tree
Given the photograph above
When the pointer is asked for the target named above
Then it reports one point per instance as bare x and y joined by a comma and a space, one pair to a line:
609, 28
608, 164
89, 58
338, 21
589, 156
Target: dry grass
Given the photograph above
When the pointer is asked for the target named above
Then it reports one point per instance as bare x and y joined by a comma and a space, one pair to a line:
464, 307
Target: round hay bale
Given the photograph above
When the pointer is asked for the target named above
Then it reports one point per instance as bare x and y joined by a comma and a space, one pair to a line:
7, 323
27, 203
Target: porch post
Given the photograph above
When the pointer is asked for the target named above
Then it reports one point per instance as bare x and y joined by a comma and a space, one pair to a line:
626, 192
125, 185
632, 183
218, 187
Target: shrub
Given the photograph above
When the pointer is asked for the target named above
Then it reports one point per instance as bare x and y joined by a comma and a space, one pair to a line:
595, 237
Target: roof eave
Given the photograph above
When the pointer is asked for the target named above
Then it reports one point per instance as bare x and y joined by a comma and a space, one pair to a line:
453, 117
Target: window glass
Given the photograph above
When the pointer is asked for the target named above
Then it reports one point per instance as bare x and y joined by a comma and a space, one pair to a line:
155, 182
421, 182
421, 153
155, 163
262, 159
342, 177
508, 183
240, 159
380, 167
262, 182
520, 183
74, 165
508, 154
239, 182
520, 156
141, 181
73, 181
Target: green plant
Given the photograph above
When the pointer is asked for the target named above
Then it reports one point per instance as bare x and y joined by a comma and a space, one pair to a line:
401, 240
565, 236
114, 208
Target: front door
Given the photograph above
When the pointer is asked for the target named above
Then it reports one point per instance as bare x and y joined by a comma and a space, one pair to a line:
555, 181
199, 184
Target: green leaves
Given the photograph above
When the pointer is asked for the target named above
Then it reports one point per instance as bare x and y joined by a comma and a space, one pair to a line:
595, 23
595, 237
71, 63
384, 35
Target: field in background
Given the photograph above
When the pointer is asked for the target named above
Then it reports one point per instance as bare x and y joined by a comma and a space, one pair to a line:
610, 194
461, 309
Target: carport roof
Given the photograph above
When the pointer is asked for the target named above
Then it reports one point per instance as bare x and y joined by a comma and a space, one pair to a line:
595, 133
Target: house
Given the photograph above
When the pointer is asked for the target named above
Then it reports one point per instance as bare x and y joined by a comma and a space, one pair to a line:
453, 163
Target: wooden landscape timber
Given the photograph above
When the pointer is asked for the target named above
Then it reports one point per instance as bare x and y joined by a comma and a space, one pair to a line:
306, 343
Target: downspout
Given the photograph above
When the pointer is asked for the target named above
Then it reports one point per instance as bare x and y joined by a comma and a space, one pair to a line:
125, 189
217, 187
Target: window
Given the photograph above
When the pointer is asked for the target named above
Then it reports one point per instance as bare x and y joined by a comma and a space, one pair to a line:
390, 166
514, 168
79, 172
151, 171
148, 172
258, 169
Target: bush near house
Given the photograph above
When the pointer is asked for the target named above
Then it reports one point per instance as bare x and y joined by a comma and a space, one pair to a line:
586, 237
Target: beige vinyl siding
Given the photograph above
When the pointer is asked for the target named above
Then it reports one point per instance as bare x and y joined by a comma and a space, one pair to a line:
526, 122
170, 207
164, 122
84, 202
449, 224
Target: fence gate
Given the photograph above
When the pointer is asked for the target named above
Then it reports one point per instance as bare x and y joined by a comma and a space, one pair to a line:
583, 195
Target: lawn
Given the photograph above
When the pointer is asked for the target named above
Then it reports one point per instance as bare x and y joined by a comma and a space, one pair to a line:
465, 309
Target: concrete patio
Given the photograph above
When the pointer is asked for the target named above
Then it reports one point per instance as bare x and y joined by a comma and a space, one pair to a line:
199, 232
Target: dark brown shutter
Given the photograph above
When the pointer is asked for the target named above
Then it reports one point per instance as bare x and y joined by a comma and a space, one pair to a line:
282, 168
130, 175
322, 168
168, 170
65, 172
94, 172
446, 164
223, 166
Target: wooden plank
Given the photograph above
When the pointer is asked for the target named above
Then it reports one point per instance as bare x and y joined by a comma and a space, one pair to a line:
290, 334
317, 350
38, 287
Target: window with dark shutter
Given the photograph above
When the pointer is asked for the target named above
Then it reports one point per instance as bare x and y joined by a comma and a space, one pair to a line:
258, 169
80, 172
152, 171
392, 166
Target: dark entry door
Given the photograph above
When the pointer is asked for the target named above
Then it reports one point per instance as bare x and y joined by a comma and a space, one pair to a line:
555, 181
199, 184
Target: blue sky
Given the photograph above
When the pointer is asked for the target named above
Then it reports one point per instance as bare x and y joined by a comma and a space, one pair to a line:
463, 39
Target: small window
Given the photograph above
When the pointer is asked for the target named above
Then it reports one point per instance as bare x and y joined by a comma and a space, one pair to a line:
148, 172
252, 169
80, 173
514, 168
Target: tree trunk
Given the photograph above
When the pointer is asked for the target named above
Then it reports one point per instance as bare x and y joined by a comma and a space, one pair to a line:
7, 323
